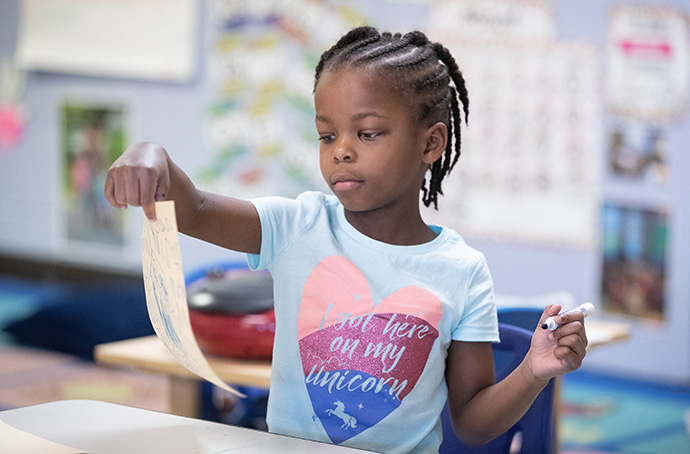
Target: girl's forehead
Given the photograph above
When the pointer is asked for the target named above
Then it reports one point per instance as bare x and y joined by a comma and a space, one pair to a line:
351, 75
356, 85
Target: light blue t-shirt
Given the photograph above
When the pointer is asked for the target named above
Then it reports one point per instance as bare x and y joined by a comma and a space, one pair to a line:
363, 327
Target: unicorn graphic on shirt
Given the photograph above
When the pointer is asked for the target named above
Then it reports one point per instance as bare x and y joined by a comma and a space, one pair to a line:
339, 411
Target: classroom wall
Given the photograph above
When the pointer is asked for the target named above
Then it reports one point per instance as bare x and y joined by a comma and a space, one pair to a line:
172, 113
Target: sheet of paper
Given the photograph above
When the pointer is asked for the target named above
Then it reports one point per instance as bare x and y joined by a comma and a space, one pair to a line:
15, 441
166, 295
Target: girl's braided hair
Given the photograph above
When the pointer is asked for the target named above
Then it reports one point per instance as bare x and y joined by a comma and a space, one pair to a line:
424, 71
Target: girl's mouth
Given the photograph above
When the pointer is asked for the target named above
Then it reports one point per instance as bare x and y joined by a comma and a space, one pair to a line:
346, 185
344, 182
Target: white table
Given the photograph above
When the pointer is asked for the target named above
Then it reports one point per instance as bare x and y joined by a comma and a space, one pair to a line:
105, 428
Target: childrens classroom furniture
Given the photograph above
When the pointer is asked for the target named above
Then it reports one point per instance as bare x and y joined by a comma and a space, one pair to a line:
105, 428
149, 354
537, 428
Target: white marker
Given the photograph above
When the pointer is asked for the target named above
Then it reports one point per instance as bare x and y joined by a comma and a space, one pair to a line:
586, 309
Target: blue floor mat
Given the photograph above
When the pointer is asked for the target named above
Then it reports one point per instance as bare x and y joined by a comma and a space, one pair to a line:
607, 414
19, 298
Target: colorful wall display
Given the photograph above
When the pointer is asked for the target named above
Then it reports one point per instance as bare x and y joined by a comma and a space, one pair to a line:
261, 124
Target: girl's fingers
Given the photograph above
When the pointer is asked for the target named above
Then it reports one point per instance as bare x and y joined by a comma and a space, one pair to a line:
109, 191
147, 198
132, 189
571, 347
119, 191
137, 177
150, 211
574, 342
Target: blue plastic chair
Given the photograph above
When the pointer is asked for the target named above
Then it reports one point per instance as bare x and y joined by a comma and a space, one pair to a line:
524, 317
537, 427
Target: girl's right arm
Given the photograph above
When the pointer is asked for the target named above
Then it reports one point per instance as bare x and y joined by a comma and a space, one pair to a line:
145, 173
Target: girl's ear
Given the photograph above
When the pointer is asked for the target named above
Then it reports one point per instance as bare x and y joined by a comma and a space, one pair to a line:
436, 140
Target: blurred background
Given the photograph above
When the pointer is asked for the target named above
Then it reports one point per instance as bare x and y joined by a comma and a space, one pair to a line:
573, 176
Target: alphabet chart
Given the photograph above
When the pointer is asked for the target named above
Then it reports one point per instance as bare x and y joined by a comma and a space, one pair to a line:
531, 155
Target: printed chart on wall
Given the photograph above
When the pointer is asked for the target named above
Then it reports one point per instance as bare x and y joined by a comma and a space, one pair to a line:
529, 170
92, 136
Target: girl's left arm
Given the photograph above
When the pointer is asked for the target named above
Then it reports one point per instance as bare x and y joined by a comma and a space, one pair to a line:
481, 409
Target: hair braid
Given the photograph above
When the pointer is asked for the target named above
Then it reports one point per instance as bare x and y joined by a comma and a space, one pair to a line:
445, 56
355, 39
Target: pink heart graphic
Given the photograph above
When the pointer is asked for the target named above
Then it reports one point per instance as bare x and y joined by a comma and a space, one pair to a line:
359, 359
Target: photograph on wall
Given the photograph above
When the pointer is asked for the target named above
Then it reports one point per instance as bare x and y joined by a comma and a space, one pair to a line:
638, 153
634, 243
92, 136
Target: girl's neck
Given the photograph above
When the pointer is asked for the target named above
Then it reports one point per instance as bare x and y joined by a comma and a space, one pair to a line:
403, 230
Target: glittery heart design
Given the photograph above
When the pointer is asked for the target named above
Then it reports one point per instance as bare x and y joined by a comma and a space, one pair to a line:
361, 359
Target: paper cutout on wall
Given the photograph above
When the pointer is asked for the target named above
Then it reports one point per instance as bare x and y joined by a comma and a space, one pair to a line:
166, 296
12, 112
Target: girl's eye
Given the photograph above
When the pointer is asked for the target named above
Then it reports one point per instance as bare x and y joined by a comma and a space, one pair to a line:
369, 135
327, 138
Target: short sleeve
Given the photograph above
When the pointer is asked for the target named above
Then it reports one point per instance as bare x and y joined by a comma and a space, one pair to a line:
479, 322
282, 219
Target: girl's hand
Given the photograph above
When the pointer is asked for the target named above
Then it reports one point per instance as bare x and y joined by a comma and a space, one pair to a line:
560, 351
139, 177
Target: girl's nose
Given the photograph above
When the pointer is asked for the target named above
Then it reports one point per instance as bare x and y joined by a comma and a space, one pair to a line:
343, 151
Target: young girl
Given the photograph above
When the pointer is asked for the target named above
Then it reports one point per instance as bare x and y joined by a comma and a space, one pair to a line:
381, 317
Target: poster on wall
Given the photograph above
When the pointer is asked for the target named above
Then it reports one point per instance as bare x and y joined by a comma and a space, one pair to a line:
648, 62
261, 122
92, 136
634, 243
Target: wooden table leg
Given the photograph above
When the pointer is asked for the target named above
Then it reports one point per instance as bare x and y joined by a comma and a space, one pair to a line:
185, 397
